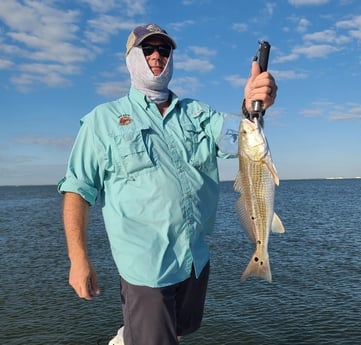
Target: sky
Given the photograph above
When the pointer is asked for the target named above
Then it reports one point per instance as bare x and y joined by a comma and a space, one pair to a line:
61, 58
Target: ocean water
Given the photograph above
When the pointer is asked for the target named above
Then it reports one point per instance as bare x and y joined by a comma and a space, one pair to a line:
315, 296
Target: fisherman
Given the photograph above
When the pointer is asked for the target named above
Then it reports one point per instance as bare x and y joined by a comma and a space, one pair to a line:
152, 158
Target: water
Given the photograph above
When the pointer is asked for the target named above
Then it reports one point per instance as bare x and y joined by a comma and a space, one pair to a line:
315, 297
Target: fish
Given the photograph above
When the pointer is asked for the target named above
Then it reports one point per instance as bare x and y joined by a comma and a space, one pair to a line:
255, 181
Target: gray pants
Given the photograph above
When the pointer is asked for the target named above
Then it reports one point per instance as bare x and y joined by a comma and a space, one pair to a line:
157, 316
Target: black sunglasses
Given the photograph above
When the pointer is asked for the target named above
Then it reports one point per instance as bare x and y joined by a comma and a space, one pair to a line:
163, 50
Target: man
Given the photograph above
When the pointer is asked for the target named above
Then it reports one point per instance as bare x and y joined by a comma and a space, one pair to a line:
152, 159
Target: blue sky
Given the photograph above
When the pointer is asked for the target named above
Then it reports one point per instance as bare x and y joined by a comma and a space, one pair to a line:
60, 58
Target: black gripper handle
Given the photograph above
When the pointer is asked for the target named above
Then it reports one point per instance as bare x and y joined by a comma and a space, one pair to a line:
264, 49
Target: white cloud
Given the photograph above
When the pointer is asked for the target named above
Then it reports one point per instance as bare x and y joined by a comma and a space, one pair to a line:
46, 69
285, 58
321, 43
347, 113
6, 64
288, 75
312, 112
311, 50
113, 89
307, 2
46, 141
188, 2
100, 5
240, 27
25, 82
50, 34
236, 80
269, 8
180, 25
40, 32
135, 7
327, 36
316, 51
104, 26
356, 34
205, 51
39, 18
188, 64
185, 86
300, 24
130, 7
353, 22
334, 112
51, 75
303, 25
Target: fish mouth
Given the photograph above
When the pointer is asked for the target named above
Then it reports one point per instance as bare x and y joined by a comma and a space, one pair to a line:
253, 140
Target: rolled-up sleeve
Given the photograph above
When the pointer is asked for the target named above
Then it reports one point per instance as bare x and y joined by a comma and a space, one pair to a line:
82, 175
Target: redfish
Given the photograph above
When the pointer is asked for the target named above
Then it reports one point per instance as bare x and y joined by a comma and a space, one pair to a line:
256, 180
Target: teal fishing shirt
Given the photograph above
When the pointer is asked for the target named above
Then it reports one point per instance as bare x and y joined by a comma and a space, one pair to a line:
158, 182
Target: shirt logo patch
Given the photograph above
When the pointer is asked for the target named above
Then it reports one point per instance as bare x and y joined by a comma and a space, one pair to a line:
125, 120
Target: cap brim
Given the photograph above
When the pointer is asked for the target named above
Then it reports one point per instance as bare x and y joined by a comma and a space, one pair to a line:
164, 36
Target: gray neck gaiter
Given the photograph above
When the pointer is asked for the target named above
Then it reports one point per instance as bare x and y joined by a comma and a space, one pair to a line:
142, 78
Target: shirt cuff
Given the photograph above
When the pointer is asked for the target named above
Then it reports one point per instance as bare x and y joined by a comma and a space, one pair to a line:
70, 184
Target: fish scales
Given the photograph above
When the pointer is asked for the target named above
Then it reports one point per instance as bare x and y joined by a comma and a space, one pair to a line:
256, 180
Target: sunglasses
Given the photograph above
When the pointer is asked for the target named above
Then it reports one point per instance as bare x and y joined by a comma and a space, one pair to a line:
148, 49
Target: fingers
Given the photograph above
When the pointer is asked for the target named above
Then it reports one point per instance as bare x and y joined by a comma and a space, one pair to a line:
264, 90
261, 87
255, 70
83, 279
87, 290
93, 285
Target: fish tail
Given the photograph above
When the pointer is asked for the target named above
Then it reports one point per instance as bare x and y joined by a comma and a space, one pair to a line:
258, 266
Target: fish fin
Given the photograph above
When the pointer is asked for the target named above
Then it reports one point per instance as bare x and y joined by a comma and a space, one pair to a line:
259, 267
277, 225
237, 183
272, 168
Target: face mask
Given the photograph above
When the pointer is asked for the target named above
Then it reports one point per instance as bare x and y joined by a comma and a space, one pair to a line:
142, 78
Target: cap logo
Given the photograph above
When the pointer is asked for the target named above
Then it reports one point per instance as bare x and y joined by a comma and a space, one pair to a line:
154, 28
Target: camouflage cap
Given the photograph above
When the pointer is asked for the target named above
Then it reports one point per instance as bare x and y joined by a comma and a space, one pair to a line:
141, 32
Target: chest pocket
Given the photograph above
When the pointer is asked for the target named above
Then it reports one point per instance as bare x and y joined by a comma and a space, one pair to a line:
201, 155
132, 151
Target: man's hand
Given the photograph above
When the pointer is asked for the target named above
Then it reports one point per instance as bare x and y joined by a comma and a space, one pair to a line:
83, 279
260, 87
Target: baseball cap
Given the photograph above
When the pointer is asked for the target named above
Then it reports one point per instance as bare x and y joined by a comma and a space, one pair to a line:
143, 31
